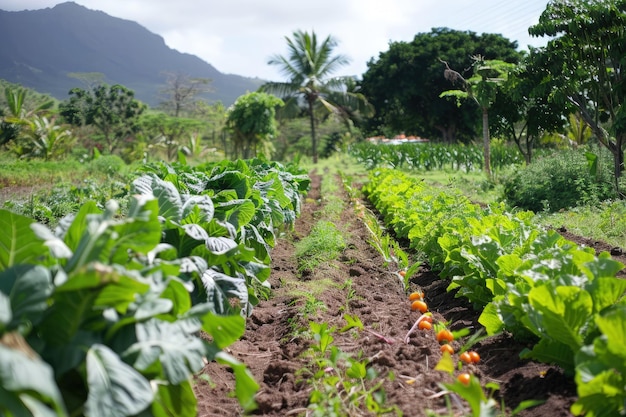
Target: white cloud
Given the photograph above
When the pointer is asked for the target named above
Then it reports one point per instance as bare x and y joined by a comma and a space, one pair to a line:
239, 36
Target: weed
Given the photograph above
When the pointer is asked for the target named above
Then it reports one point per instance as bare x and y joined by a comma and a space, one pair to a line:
342, 385
323, 244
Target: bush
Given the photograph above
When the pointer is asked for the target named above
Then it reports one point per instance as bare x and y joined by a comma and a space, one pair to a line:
558, 181
109, 165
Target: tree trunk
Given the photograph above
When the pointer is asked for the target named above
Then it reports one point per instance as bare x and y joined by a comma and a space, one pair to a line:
313, 138
486, 143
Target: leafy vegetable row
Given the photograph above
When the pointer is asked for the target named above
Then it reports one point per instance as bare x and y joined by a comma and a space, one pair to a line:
102, 316
529, 281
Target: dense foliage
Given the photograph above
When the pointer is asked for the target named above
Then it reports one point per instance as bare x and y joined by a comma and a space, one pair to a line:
405, 82
558, 181
433, 156
563, 299
107, 308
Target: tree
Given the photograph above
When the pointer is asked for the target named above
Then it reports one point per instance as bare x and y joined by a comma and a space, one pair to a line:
308, 67
481, 87
167, 132
522, 110
252, 121
585, 60
404, 84
180, 94
112, 110
21, 106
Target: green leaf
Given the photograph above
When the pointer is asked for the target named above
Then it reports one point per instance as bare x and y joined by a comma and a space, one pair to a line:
351, 322
491, 320
605, 292
225, 330
166, 193
29, 383
175, 401
179, 353
220, 288
245, 385
18, 242
553, 352
28, 288
115, 388
75, 226
565, 312
613, 326
238, 212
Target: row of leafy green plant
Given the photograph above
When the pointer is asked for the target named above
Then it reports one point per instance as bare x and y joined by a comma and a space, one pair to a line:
103, 315
563, 299
434, 156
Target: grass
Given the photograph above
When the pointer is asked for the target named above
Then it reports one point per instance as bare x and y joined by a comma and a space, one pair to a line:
606, 222
323, 244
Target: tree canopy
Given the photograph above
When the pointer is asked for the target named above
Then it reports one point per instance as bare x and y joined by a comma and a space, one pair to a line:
585, 63
112, 110
308, 68
253, 123
405, 82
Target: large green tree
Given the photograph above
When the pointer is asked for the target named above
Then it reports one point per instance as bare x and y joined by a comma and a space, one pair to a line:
586, 62
308, 67
252, 121
112, 110
404, 83
523, 111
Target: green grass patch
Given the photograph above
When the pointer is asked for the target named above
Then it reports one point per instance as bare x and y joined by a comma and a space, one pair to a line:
323, 244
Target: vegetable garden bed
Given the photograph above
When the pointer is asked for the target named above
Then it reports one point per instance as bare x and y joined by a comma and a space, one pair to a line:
293, 366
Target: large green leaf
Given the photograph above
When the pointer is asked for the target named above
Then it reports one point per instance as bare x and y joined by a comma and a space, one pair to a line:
27, 384
72, 228
174, 401
565, 312
606, 291
237, 212
18, 242
220, 288
179, 353
245, 385
139, 233
225, 330
168, 196
552, 351
28, 288
201, 204
115, 388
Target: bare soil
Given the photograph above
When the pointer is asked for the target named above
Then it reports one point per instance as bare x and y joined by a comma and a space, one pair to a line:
274, 353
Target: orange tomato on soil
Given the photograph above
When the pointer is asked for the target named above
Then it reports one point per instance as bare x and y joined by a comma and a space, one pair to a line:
465, 357
425, 325
417, 295
447, 348
474, 356
464, 378
444, 335
420, 306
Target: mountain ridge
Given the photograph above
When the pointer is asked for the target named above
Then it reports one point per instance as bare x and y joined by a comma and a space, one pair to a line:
70, 38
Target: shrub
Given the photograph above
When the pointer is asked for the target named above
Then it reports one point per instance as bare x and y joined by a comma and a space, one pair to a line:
109, 165
558, 181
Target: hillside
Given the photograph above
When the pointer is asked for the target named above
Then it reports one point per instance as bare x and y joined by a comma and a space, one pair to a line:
41, 47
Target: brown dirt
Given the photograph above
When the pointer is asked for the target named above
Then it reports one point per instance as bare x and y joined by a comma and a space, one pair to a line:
274, 353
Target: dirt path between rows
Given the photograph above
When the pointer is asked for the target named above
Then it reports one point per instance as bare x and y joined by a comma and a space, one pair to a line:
360, 284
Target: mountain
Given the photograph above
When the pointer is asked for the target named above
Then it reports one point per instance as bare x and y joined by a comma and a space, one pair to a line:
40, 48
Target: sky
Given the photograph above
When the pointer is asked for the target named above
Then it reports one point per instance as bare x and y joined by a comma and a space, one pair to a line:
240, 36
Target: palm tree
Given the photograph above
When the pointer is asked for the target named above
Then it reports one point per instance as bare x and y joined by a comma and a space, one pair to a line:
308, 67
